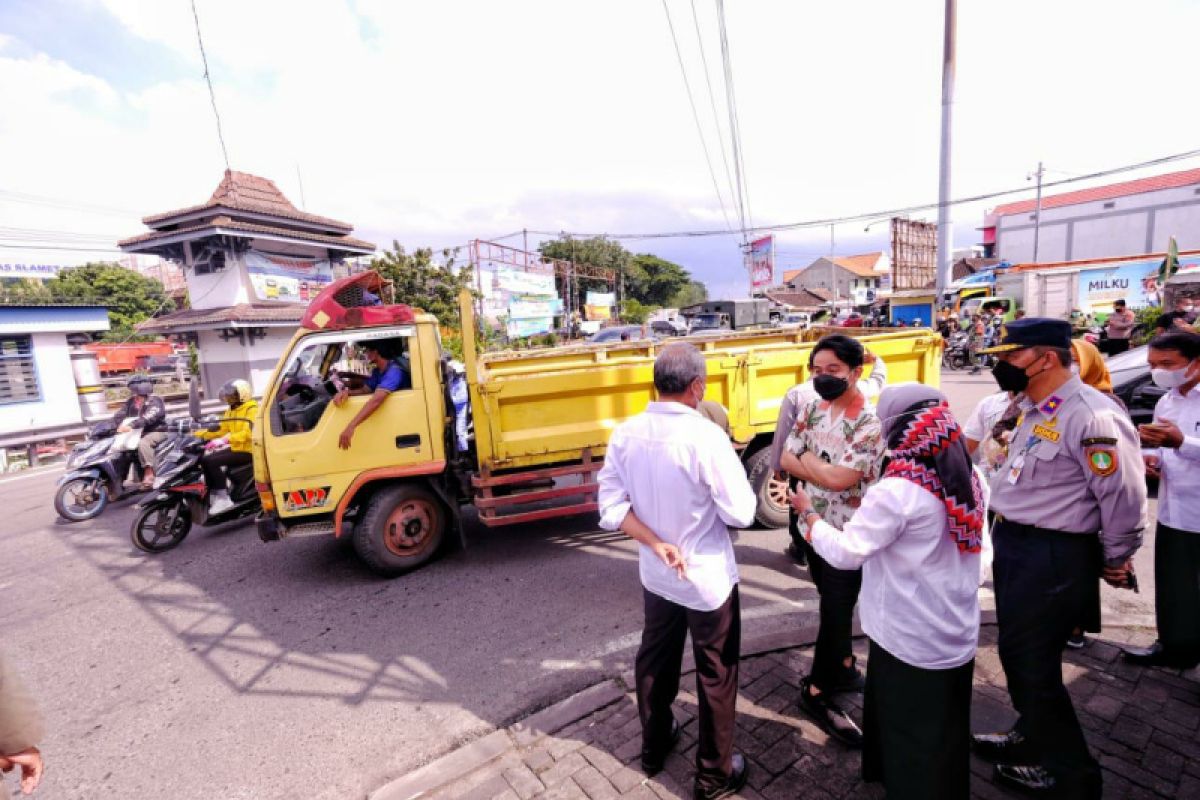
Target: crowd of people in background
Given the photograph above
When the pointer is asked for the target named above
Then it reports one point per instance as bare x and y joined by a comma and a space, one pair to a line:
901, 512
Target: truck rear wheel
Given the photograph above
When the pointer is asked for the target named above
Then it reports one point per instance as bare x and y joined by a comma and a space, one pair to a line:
402, 528
771, 493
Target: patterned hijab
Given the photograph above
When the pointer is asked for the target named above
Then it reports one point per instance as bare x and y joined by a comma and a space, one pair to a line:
927, 449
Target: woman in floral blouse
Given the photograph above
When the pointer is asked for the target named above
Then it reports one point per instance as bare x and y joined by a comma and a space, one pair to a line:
836, 451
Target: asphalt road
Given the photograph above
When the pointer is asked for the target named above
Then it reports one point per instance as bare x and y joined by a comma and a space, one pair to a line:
236, 669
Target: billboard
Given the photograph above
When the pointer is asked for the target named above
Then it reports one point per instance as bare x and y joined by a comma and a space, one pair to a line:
914, 254
1135, 282
287, 279
762, 261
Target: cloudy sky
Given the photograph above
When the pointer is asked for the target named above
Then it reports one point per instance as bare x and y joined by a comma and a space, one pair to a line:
436, 122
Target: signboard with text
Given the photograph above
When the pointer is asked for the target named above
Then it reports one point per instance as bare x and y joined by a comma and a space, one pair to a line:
43, 271
287, 278
762, 261
1135, 282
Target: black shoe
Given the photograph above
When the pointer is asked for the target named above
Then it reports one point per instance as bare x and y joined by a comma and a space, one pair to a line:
832, 718
1029, 779
733, 785
1157, 656
1010, 747
851, 678
1077, 641
652, 763
797, 554
976, 371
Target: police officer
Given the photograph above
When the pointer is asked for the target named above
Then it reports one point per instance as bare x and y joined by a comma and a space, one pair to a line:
1070, 504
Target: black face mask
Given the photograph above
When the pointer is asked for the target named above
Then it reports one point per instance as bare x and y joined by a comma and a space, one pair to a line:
1009, 377
830, 387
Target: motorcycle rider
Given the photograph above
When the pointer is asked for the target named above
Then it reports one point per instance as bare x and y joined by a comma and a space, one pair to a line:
147, 413
229, 445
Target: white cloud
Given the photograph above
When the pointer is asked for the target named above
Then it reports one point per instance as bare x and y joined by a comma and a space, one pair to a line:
437, 121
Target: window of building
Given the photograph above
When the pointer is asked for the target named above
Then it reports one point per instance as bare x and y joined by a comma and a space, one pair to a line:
18, 373
1110, 204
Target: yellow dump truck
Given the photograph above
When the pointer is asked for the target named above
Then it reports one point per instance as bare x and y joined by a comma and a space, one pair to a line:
541, 419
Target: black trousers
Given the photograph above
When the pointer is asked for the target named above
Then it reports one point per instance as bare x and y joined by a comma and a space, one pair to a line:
1177, 591
716, 646
838, 589
1116, 346
1043, 582
917, 728
214, 464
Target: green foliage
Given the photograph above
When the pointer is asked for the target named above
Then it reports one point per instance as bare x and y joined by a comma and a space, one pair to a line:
694, 292
1146, 317
634, 313
650, 280
129, 296
421, 283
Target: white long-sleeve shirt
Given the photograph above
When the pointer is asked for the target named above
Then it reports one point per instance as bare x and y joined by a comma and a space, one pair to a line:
679, 473
920, 595
1179, 490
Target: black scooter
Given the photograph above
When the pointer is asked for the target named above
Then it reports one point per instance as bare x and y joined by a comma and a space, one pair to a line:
181, 498
96, 470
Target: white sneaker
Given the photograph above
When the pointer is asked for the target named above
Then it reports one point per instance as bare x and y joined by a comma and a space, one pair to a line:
219, 503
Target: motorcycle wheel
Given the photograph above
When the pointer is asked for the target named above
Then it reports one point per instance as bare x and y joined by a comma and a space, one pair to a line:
81, 499
161, 526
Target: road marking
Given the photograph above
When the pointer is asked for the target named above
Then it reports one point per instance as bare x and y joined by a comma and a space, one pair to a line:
26, 475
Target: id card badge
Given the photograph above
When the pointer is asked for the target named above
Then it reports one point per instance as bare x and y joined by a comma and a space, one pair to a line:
1014, 469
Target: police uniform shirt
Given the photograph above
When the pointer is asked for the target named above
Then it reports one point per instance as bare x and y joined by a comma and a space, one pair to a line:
1074, 466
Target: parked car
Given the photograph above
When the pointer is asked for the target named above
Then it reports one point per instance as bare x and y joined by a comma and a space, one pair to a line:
1131, 382
666, 328
795, 319
616, 332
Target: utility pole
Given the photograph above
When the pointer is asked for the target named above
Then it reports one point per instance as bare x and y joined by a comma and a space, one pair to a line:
833, 289
1037, 214
945, 237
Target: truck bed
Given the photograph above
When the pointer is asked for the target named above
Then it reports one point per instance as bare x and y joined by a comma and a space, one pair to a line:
546, 406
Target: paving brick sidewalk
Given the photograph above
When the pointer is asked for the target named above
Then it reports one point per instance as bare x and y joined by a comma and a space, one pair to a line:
1143, 726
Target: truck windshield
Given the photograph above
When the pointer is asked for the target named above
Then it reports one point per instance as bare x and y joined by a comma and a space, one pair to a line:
707, 321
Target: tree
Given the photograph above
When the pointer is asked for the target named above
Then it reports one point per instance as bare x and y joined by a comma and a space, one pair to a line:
650, 280
694, 292
421, 283
129, 296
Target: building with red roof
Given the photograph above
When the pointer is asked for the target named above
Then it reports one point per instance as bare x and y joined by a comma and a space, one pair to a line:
1118, 219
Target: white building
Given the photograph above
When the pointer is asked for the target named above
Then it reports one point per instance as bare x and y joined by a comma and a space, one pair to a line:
252, 261
37, 384
1120, 219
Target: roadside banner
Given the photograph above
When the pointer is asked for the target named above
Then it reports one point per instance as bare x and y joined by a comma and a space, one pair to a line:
762, 261
287, 278
43, 271
601, 299
597, 312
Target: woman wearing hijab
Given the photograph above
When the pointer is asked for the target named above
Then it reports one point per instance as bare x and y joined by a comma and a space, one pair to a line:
919, 537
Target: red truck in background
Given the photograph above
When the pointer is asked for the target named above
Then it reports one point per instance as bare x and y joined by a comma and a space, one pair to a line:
129, 356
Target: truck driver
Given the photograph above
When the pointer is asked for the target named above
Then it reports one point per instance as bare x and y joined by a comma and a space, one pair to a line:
387, 376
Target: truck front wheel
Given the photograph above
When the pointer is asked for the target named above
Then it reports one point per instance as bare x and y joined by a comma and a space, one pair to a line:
402, 528
771, 493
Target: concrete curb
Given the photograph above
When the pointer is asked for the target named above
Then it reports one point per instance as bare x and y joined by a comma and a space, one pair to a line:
526, 732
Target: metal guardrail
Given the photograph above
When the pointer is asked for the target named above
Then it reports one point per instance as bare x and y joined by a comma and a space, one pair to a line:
35, 436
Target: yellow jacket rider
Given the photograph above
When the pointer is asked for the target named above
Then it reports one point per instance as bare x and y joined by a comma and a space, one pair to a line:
229, 445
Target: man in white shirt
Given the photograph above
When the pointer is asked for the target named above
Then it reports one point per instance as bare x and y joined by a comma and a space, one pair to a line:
1174, 455
672, 481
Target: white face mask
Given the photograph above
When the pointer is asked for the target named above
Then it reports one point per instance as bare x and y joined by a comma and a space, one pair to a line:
1170, 378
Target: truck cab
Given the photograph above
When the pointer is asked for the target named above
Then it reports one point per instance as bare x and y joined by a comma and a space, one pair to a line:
309, 485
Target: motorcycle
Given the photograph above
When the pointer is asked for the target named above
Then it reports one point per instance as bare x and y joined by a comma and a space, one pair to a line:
96, 470
957, 353
182, 499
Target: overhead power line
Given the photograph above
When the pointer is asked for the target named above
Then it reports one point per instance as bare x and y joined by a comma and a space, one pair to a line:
211, 94
735, 133
8, 196
712, 101
687, 87
883, 213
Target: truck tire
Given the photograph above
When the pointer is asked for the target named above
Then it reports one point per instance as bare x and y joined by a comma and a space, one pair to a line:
771, 494
402, 529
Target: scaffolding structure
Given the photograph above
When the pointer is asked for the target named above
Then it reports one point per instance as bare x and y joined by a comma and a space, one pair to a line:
914, 254
567, 273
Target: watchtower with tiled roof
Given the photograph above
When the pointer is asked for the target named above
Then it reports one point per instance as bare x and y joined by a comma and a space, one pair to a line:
252, 261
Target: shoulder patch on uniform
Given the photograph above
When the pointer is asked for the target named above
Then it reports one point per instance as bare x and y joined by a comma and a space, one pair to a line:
1109, 441
1102, 460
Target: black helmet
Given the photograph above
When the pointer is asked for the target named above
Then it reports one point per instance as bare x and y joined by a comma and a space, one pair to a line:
235, 392
141, 385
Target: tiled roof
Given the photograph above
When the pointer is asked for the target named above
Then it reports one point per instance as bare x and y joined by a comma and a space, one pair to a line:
861, 265
226, 223
242, 191
1171, 180
800, 298
791, 273
242, 313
